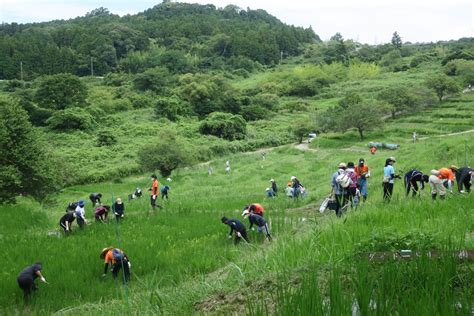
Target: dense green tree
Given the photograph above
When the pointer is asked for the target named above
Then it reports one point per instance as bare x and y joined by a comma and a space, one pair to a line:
26, 167
171, 108
442, 85
399, 99
224, 125
154, 79
71, 119
396, 40
166, 154
301, 128
61, 91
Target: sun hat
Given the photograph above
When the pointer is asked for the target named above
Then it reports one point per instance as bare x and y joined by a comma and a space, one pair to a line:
393, 159
454, 167
104, 251
245, 213
272, 180
293, 178
342, 165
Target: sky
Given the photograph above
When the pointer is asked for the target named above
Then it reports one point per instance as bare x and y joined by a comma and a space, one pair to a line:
366, 21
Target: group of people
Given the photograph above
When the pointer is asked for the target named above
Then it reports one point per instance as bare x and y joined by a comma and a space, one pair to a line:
254, 212
349, 182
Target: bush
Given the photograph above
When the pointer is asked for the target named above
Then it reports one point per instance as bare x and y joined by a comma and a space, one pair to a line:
224, 125
71, 119
254, 112
106, 137
154, 79
165, 155
141, 101
266, 100
171, 107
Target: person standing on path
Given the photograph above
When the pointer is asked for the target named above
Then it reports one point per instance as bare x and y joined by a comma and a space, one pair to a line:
154, 191
414, 137
81, 214
26, 279
363, 173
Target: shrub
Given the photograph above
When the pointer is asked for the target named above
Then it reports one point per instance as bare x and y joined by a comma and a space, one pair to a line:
106, 137
266, 100
154, 79
142, 100
171, 107
70, 119
254, 112
224, 125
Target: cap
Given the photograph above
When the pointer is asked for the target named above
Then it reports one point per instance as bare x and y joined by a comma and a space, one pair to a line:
293, 178
245, 213
224, 219
81, 203
393, 159
342, 165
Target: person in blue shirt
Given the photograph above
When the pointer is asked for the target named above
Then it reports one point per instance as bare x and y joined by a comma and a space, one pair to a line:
388, 178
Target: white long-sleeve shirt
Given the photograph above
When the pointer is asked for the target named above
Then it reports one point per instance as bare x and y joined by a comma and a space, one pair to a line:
81, 212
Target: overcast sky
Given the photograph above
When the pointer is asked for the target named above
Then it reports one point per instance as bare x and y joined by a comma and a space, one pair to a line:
368, 21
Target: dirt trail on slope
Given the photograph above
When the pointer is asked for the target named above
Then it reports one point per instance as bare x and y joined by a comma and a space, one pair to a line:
447, 135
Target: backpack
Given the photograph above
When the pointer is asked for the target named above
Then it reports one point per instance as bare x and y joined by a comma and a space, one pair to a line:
343, 180
117, 254
71, 206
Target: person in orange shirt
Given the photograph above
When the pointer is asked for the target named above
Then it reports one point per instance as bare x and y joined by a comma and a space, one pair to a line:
154, 191
118, 259
362, 172
447, 174
254, 208
436, 180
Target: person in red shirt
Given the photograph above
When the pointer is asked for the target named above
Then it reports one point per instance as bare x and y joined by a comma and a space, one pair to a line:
118, 259
373, 150
154, 191
254, 208
362, 172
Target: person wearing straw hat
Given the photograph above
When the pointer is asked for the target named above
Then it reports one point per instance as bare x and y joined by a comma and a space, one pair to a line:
81, 214
118, 260
463, 177
119, 209
236, 226
26, 279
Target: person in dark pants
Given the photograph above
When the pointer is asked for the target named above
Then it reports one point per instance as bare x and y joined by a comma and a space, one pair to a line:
238, 227
154, 191
95, 198
260, 222
388, 178
118, 259
352, 189
463, 177
274, 187
341, 194
81, 214
164, 192
411, 180
119, 209
26, 279
66, 222
101, 213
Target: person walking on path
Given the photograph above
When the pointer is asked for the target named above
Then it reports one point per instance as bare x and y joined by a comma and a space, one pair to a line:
236, 226
388, 178
118, 260
258, 220
119, 209
26, 279
340, 193
463, 177
154, 191
411, 180
81, 214
66, 222
95, 198
363, 173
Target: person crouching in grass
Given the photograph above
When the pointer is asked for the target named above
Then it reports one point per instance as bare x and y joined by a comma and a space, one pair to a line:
118, 260
236, 226
26, 279
119, 209
101, 213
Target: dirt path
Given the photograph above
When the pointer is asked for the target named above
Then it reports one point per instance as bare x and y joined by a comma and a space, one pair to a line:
447, 135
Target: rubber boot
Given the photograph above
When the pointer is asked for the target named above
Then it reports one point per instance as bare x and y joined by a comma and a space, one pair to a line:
433, 196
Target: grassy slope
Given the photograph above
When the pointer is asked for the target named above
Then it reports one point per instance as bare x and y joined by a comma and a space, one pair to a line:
175, 252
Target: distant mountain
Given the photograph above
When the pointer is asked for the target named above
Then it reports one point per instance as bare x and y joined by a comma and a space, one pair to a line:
198, 36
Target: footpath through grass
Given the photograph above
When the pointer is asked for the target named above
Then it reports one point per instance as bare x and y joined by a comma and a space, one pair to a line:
182, 263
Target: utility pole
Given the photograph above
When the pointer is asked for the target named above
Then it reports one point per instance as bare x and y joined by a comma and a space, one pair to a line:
92, 67
21, 70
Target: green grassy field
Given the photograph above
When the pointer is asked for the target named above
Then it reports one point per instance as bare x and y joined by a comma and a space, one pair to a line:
182, 262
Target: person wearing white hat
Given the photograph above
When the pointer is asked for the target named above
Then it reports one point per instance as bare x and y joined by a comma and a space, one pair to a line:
340, 194
274, 186
81, 214
389, 178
